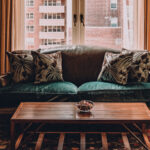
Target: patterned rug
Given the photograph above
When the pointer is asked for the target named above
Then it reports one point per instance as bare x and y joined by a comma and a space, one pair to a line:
72, 141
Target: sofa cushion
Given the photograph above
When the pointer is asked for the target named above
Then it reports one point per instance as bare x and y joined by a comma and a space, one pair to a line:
47, 88
116, 67
140, 67
48, 67
106, 91
12, 95
83, 63
21, 67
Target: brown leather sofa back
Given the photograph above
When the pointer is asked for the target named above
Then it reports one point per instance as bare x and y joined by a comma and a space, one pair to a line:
80, 63
83, 64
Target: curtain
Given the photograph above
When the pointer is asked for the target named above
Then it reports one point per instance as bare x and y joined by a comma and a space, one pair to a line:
133, 24
5, 33
147, 37
11, 30
18, 25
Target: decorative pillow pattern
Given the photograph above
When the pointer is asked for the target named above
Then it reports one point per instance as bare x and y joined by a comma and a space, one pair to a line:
116, 67
21, 67
48, 67
140, 67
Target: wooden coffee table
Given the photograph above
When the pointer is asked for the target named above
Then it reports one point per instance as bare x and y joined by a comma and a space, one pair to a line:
67, 113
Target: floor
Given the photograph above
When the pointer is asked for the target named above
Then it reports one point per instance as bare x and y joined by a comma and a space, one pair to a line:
72, 142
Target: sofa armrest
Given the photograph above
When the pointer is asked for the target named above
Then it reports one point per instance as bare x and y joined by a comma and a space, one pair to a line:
5, 79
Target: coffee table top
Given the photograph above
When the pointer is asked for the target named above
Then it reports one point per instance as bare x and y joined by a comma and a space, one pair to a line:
66, 112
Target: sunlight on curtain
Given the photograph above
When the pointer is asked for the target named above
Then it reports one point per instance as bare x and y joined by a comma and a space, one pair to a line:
18, 25
133, 22
5, 33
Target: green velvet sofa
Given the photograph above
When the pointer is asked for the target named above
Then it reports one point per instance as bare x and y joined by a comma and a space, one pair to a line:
81, 66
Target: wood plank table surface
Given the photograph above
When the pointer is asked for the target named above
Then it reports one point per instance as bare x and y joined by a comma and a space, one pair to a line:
66, 112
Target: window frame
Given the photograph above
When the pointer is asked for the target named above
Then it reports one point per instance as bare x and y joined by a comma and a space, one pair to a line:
111, 20
29, 28
28, 3
115, 3
28, 16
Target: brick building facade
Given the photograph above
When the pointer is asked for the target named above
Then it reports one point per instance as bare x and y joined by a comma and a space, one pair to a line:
103, 23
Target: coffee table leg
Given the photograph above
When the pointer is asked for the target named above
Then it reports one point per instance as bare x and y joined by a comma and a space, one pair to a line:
12, 133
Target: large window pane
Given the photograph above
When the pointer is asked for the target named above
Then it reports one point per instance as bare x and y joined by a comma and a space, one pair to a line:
109, 22
46, 23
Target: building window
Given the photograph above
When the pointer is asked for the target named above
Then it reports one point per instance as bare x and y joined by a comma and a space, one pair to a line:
50, 29
30, 16
54, 29
54, 16
52, 42
29, 2
113, 4
52, 3
44, 29
114, 22
58, 3
30, 28
50, 16
30, 41
58, 29
58, 16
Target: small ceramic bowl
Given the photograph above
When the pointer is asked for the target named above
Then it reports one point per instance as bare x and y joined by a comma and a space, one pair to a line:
85, 105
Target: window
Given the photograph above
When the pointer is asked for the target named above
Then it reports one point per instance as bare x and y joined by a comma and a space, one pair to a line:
113, 4
54, 2
29, 2
30, 16
44, 29
114, 22
54, 16
58, 2
58, 29
54, 29
58, 16
50, 3
50, 29
50, 16
103, 26
30, 28
51, 42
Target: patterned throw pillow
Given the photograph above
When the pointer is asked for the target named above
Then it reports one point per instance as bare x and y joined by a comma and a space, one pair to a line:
21, 67
116, 67
48, 67
140, 67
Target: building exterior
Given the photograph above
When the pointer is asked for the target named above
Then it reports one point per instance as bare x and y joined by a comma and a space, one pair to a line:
104, 23
47, 23
44, 23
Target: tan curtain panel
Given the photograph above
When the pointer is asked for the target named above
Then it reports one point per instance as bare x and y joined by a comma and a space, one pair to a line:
11, 30
138, 24
5, 33
147, 37
18, 25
